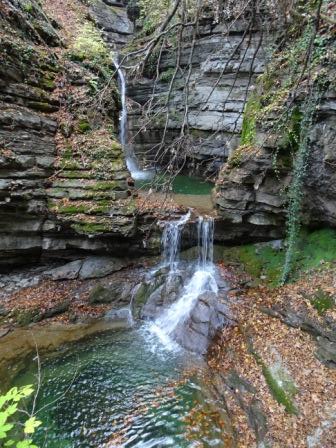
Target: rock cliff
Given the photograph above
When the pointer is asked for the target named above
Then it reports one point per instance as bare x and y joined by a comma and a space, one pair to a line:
225, 61
63, 179
203, 95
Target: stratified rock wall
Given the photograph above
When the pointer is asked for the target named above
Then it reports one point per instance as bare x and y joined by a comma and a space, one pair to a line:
225, 63
63, 179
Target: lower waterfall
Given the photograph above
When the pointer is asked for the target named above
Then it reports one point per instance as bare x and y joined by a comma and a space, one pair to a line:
202, 279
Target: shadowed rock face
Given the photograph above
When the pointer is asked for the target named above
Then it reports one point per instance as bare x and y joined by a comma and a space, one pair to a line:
111, 17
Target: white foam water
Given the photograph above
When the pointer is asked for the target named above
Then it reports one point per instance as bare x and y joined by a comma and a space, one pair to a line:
131, 160
171, 242
202, 280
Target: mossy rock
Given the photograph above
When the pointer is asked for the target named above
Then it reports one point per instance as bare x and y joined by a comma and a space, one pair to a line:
265, 261
75, 173
43, 106
26, 317
91, 228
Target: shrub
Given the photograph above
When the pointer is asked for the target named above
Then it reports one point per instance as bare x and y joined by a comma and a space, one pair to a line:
9, 415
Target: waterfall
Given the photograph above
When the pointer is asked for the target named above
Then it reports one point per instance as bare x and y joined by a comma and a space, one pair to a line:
171, 241
131, 159
202, 280
205, 232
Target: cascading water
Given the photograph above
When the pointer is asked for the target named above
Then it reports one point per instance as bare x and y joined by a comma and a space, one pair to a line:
171, 240
131, 159
205, 231
202, 280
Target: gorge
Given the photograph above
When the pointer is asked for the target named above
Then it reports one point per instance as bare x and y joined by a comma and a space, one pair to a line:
167, 223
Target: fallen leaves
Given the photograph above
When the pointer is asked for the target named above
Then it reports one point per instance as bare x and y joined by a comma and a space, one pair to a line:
315, 382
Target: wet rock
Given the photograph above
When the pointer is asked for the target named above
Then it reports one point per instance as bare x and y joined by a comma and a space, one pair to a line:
212, 108
120, 315
96, 267
3, 311
257, 209
208, 316
59, 308
111, 18
326, 351
163, 296
116, 292
55, 220
4, 331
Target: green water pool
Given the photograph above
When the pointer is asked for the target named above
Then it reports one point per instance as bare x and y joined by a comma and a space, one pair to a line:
113, 390
181, 184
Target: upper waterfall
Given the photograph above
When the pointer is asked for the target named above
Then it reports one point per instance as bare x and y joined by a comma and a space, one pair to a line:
131, 160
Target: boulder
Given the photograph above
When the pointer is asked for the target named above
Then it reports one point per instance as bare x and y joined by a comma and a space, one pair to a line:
97, 267
208, 316
111, 18
69, 271
121, 314
116, 292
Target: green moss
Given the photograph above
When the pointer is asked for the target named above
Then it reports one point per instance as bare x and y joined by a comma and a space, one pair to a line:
90, 46
75, 174
260, 260
47, 83
92, 209
90, 228
235, 159
279, 383
322, 301
83, 126
105, 185
249, 125
26, 317
71, 209
43, 106
67, 153
279, 393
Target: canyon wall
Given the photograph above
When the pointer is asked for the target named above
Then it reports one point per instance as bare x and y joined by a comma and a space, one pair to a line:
225, 61
64, 185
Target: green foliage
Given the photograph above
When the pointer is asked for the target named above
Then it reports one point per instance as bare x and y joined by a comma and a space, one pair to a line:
296, 188
152, 14
83, 126
249, 125
167, 75
8, 415
322, 301
28, 7
90, 46
292, 128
